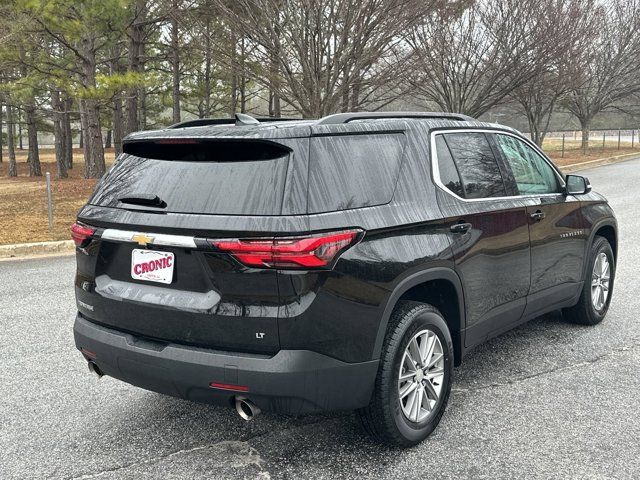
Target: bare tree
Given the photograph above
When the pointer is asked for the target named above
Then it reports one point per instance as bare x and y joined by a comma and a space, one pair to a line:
470, 62
612, 62
313, 53
572, 24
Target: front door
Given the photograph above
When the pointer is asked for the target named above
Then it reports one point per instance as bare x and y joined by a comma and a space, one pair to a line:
555, 226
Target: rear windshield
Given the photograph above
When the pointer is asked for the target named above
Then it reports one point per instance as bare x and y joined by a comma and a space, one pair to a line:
215, 177
353, 171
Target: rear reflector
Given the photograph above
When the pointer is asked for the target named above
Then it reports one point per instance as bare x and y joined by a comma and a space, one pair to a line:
88, 353
81, 234
313, 251
228, 386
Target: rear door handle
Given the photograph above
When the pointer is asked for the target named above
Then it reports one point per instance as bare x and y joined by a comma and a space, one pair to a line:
460, 227
538, 215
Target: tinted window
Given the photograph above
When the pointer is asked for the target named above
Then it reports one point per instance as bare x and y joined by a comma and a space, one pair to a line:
199, 184
447, 170
532, 173
353, 171
477, 165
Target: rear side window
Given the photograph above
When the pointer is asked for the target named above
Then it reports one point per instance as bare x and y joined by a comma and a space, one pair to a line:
210, 177
479, 170
353, 171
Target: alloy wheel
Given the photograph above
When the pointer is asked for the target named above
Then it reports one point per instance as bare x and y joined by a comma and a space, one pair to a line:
600, 279
421, 376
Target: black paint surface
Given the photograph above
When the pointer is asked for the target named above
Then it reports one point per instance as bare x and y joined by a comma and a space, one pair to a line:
504, 269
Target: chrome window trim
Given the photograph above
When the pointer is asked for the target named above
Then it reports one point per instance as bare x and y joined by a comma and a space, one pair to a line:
156, 238
435, 169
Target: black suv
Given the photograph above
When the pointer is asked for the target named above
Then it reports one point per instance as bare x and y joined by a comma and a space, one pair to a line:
346, 263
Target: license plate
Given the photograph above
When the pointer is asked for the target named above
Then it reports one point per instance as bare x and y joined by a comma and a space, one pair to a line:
152, 266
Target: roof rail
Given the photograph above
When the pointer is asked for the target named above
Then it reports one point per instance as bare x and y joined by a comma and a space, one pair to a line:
200, 122
349, 117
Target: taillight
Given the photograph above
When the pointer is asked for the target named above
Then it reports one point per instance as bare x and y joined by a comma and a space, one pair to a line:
81, 234
313, 251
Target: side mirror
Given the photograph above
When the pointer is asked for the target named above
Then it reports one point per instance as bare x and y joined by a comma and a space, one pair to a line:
577, 185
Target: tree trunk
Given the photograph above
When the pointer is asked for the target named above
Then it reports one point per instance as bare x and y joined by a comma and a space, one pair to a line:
94, 165
243, 78
1, 133
142, 96
33, 156
107, 140
94, 150
585, 123
135, 64
58, 133
20, 145
274, 97
84, 145
132, 96
355, 97
142, 117
13, 168
207, 69
117, 125
345, 89
534, 129
175, 64
233, 107
68, 134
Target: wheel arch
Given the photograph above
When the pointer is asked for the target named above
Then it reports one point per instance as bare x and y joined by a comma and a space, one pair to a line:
432, 286
607, 230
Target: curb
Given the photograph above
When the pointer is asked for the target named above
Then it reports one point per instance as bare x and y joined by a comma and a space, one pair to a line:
19, 250
598, 162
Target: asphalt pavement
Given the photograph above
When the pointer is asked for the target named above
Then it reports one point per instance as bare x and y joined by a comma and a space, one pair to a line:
547, 400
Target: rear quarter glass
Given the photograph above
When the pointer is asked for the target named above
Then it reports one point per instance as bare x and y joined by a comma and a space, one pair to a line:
353, 171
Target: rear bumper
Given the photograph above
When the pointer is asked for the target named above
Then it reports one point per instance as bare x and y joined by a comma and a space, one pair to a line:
291, 382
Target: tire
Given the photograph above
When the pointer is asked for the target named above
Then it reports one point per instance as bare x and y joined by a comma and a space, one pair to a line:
585, 312
384, 419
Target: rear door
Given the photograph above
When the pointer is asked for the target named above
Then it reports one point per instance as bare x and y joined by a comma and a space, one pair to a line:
489, 232
151, 269
555, 224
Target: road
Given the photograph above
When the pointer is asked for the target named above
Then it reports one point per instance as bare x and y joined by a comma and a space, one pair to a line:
546, 400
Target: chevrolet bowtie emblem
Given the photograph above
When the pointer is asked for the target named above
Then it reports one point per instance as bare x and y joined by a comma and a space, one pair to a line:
142, 239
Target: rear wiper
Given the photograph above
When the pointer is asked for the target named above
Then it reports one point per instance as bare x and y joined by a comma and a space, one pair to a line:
146, 199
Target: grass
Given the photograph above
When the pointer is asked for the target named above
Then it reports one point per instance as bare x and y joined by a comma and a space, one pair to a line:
23, 200
573, 150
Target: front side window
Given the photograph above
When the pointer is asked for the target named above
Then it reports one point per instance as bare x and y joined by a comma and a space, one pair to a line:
533, 175
474, 159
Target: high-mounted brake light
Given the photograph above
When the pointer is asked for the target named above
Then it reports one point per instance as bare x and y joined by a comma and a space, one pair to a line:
81, 234
313, 251
177, 141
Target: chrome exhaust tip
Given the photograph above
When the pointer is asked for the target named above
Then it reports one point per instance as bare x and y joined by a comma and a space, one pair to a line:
246, 408
93, 368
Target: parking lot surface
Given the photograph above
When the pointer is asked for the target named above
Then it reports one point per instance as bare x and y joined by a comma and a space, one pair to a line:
546, 400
